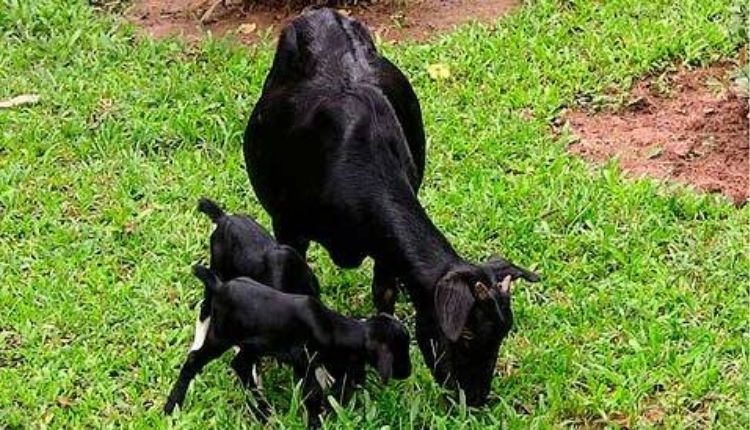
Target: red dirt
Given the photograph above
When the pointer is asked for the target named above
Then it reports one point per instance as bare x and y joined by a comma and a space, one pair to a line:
696, 134
392, 20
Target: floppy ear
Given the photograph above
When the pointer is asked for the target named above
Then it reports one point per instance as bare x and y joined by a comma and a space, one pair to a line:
502, 268
453, 301
384, 363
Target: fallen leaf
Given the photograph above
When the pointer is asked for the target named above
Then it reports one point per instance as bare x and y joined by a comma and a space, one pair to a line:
129, 227
655, 152
527, 114
638, 104
48, 416
247, 28
521, 408
24, 99
344, 12
655, 415
172, 295
438, 71
64, 402
620, 418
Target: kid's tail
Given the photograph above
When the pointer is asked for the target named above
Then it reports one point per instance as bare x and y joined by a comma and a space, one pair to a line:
211, 285
211, 209
209, 279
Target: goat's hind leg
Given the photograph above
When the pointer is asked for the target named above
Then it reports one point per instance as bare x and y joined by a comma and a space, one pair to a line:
211, 349
245, 365
288, 236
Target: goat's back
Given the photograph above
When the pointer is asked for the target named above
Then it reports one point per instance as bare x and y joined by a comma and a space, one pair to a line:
336, 126
322, 45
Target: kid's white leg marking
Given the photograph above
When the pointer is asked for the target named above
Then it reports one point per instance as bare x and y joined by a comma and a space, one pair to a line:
201, 330
256, 377
325, 380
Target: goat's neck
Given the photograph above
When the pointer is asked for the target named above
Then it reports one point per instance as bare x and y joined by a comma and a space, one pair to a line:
412, 246
334, 330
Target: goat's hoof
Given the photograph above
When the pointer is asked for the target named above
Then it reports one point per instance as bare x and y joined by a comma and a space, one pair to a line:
169, 407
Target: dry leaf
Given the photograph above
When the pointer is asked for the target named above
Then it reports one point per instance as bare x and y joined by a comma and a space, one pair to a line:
438, 71
655, 152
527, 114
655, 415
344, 12
247, 28
130, 227
64, 402
48, 416
24, 99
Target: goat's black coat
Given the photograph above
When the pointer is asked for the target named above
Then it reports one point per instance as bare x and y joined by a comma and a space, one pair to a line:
335, 151
294, 329
242, 247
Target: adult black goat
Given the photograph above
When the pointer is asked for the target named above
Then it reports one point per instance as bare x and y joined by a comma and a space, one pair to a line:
335, 151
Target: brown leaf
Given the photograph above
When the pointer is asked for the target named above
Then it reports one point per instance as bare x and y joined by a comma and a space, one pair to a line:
129, 227
655, 415
527, 114
247, 28
64, 402
655, 152
620, 418
23, 99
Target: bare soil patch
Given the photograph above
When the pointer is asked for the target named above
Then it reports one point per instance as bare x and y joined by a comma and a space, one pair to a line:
391, 20
689, 126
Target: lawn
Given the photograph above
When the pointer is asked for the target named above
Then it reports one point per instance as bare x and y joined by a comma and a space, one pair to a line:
641, 319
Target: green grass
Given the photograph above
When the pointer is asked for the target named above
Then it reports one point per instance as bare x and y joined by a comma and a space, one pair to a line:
643, 307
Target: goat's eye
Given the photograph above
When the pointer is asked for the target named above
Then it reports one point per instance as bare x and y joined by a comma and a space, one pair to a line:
467, 335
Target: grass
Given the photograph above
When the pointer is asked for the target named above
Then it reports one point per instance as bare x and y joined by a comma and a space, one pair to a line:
641, 319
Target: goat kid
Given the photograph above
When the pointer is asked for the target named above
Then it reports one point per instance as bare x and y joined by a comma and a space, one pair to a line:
296, 330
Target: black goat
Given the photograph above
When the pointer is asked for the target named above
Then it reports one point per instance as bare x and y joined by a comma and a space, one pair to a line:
294, 329
335, 151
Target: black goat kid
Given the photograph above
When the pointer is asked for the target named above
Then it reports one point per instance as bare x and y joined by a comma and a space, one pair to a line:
294, 329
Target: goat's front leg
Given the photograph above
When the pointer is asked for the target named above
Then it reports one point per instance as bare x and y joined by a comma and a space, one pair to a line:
384, 288
211, 349
343, 389
245, 365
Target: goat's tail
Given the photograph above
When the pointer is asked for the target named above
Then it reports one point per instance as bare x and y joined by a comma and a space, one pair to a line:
210, 208
211, 284
209, 278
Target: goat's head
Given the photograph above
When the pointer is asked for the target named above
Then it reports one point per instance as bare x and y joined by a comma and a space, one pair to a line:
387, 344
472, 309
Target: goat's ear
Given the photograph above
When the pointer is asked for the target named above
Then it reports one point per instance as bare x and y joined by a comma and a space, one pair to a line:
502, 268
384, 363
453, 301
